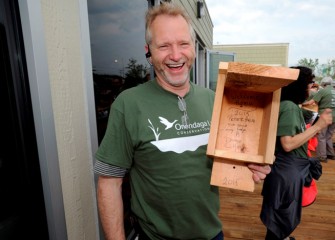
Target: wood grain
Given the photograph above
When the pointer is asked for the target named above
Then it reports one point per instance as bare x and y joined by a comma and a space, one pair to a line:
244, 120
240, 212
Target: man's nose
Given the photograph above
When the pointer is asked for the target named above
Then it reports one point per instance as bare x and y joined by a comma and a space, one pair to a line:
175, 53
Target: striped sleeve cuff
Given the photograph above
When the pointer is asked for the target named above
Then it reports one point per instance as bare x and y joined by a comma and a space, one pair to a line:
106, 169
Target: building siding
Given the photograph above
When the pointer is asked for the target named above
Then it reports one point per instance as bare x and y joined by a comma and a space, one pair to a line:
271, 54
203, 26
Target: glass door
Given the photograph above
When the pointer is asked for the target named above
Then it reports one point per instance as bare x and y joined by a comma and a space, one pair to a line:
22, 210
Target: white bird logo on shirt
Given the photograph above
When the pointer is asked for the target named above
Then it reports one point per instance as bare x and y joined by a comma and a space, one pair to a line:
167, 123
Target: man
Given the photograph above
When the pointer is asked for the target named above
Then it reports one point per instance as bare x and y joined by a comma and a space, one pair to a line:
325, 98
158, 132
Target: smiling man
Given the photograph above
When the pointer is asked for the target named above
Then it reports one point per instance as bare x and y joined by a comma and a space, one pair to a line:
158, 132
172, 51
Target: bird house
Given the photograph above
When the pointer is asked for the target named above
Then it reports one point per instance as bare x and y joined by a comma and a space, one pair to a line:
244, 120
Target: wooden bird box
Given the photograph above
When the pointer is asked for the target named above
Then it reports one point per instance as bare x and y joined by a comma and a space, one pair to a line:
244, 120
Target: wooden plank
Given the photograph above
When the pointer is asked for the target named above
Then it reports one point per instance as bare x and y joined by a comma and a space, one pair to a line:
232, 174
241, 122
268, 141
243, 157
217, 109
260, 78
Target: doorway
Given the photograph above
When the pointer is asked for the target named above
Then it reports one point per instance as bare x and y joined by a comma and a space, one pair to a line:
22, 209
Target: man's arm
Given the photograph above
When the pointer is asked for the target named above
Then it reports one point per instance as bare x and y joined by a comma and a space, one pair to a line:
110, 207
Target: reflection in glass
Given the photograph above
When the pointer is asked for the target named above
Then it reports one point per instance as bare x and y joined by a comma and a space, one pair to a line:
118, 57
117, 34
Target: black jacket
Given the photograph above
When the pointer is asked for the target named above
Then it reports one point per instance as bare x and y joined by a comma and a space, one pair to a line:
282, 192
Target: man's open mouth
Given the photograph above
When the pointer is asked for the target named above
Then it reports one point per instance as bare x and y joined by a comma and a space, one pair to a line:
176, 66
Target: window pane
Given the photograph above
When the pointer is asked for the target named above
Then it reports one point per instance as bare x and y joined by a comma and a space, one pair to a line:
118, 55
214, 59
117, 34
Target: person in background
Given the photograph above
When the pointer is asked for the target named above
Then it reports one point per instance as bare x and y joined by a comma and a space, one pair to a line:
282, 188
313, 88
325, 98
158, 132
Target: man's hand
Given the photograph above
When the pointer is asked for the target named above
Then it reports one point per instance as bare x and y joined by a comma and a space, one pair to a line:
259, 171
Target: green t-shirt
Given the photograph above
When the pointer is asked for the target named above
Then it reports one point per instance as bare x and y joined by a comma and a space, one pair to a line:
326, 99
169, 170
291, 122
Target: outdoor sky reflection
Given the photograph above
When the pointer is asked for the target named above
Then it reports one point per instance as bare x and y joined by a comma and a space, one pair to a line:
117, 34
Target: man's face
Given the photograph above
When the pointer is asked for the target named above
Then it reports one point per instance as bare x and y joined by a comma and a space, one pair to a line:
172, 50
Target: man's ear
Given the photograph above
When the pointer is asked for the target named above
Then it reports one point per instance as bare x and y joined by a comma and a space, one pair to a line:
147, 49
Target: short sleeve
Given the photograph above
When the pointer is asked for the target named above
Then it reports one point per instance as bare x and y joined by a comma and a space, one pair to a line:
289, 122
116, 146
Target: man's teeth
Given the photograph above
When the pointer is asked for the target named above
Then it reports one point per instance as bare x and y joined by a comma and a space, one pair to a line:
175, 65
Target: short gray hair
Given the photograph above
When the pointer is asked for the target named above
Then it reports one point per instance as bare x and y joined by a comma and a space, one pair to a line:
326, 81
169, 9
